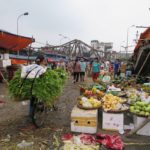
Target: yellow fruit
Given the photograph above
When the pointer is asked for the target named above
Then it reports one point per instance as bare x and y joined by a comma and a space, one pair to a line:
94, 90
80, 102
110, 102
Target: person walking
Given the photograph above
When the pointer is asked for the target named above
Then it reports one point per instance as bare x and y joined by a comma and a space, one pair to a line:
107, 64
95, 69
70, 68
116, 68
102, 67
39, 68
76, 70
83, 68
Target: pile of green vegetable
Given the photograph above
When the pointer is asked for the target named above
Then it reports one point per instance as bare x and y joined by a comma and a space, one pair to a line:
45, 88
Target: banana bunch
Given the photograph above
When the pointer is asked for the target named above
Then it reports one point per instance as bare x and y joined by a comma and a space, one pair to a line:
111, 102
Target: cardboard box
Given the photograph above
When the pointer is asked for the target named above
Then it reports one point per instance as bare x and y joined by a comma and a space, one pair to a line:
138, 121
113, 121
84, 121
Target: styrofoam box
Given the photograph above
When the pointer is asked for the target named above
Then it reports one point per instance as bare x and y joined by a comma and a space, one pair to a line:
1, 56
84, 121
5, 62
113, 121
6, 56
137, 122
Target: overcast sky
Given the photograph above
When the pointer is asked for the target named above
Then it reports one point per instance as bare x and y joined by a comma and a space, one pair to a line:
103, 20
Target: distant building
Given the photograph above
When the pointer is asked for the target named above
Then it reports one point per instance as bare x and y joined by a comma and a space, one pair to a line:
95, 44
124, 55
114, 55
108, 46
102, 46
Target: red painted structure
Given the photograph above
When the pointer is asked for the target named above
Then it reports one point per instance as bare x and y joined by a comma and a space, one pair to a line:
13, 42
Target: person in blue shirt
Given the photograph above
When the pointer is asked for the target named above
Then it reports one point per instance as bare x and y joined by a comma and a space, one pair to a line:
116, 67
95, 69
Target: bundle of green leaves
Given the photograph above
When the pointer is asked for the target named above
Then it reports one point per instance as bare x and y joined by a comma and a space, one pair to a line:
46, 88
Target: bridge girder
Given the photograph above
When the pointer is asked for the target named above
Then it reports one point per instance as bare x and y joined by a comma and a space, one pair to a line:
77, 48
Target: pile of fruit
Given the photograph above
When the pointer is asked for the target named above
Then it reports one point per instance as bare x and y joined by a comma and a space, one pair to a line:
88, 93
140, 108
88, 102
132, 97
146, 87
101, 87
117, 81
113, 103
94, 92
97, 92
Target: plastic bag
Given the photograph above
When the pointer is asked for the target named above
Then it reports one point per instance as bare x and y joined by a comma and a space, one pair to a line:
67, 137
113, 142
24, 144
79, 142
87, 139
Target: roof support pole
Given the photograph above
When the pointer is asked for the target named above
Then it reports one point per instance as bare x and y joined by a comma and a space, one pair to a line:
143, 64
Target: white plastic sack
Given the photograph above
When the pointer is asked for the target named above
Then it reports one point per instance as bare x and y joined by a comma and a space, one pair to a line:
32, 71
106, 79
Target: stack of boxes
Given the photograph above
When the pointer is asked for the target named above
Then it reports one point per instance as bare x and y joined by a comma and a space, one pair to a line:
4, 60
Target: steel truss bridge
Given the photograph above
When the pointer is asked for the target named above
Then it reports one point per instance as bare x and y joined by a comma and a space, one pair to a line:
77, 48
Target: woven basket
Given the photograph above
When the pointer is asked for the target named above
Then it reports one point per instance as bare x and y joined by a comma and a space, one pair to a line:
85, 108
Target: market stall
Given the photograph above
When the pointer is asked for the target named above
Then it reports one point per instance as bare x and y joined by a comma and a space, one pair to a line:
11, 42
115, 99
141, 55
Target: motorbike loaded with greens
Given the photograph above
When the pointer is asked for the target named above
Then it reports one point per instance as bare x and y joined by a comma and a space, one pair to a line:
41, 87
